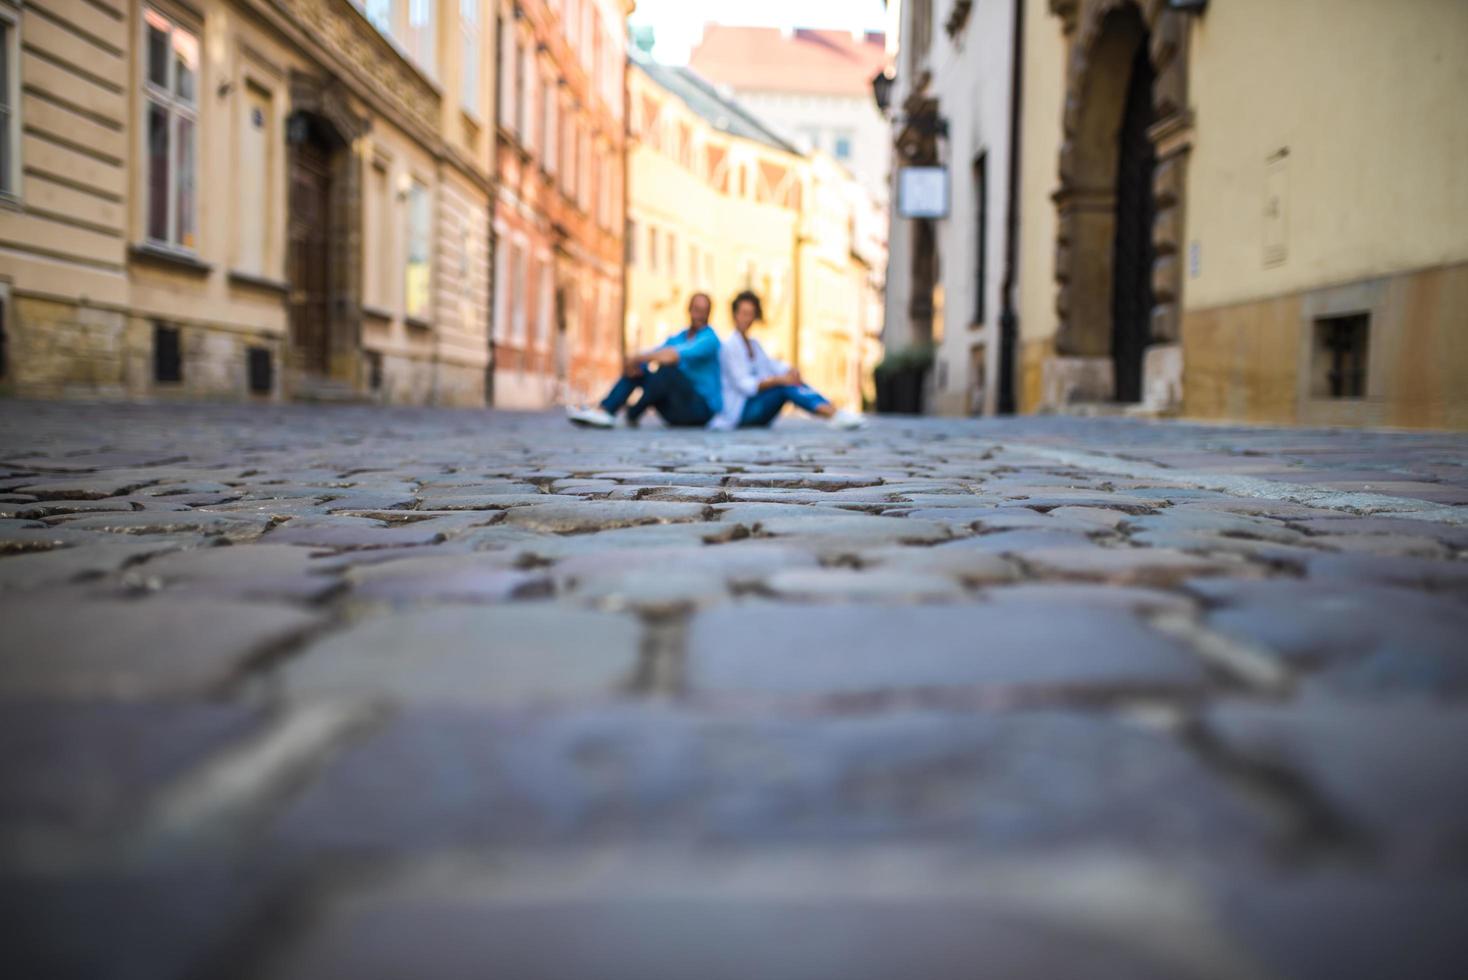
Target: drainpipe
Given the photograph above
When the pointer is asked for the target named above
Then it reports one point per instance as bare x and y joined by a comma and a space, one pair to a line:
1008, 318
626, 197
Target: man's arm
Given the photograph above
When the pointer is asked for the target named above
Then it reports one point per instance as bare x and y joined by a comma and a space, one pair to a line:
636, 363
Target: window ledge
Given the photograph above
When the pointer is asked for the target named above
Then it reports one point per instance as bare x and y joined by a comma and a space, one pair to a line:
252, 281
376, 312
418, 323
158, 255
10, 202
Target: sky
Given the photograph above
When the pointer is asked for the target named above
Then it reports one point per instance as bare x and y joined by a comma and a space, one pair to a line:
679, 23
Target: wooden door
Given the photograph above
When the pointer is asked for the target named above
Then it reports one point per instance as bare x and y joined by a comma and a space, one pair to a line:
309, 268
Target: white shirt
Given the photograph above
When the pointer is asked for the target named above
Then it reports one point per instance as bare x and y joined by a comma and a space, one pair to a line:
742, 368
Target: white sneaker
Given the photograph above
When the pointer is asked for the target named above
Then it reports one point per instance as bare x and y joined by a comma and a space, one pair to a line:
590, 418
847, 420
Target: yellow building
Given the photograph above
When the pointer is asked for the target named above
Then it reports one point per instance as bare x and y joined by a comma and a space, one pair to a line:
247, 198
718, 203
1245, 210
1306, 259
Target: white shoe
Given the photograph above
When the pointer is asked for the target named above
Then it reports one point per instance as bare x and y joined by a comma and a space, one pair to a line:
847, 420
590, 418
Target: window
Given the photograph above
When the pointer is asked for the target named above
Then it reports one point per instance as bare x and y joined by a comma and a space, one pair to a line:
518, 277
9, 99
502, 287
630, 243
1338, 368
708, 270
842, 148
921, 26
568, 156
583, 164
261, 371
382, 14
529, 112
508, 98
981, 247
167, 354
518, 120
171, 128
420, 38
552, 126
672, 255
594, 62
377, 237
547, 302
4, 323
415, 280
652, 249
471, 42
693, 263
255, 176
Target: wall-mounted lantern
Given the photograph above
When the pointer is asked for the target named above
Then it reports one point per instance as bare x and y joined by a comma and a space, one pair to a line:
882, 88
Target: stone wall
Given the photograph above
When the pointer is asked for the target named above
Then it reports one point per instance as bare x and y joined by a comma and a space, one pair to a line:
1252, 361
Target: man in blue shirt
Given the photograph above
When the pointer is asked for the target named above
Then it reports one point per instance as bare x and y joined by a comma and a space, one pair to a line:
686, 388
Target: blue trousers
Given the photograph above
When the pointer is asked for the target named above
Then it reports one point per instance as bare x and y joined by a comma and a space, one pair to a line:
668, 390
761, 409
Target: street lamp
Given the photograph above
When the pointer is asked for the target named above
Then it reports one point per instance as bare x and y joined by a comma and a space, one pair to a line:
882, 88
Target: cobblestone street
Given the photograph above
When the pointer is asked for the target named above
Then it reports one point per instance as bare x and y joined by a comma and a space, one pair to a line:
297, 693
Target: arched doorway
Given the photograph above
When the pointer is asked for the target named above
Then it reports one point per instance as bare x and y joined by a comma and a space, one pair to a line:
324, 228
1132, 254
1119, 205
313, 145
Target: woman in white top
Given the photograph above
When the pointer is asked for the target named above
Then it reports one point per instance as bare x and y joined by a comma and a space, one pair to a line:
756, 386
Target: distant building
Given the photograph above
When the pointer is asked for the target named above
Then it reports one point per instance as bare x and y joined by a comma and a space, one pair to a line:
560, 207
814, 87
246, 198
1235, 210
718, 203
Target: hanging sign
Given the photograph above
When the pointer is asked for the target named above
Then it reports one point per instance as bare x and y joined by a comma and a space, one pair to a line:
922, 192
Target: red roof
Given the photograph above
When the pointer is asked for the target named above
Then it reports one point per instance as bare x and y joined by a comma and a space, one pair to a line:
762, 59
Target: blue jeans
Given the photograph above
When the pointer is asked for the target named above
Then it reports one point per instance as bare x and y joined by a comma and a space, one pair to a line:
764, 406
668, 390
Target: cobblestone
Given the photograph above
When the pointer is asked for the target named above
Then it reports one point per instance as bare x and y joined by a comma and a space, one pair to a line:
338, 691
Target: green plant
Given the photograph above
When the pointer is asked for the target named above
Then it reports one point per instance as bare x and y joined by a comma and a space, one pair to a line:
916, 358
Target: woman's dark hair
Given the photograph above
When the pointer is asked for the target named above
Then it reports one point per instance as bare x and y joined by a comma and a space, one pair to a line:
749, 296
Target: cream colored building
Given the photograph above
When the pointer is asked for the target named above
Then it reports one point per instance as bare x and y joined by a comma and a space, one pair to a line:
242, 198
719, 203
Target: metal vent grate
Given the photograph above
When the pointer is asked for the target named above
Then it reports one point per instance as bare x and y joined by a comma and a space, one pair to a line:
167, 354
1342, 345
261, 371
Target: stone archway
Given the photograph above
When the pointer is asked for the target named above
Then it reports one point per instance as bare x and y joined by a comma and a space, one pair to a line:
1118, 275
324, 216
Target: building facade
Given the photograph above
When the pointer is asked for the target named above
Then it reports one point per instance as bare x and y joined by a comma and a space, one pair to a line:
242, 198
719, 203
952, 101
1225, 210
560, 206
813, 87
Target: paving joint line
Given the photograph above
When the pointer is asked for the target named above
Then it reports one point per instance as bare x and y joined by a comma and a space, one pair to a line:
1347, 501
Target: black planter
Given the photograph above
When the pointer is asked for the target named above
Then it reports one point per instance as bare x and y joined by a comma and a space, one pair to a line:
900, 391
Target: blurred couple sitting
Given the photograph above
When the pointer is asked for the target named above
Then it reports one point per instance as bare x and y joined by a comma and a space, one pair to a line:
692, 380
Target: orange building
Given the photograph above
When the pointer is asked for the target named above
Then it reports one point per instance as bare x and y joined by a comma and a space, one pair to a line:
559, 206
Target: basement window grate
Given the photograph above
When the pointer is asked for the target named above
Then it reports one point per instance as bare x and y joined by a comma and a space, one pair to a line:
261, 371
167, 354
1342, 346
4, 335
